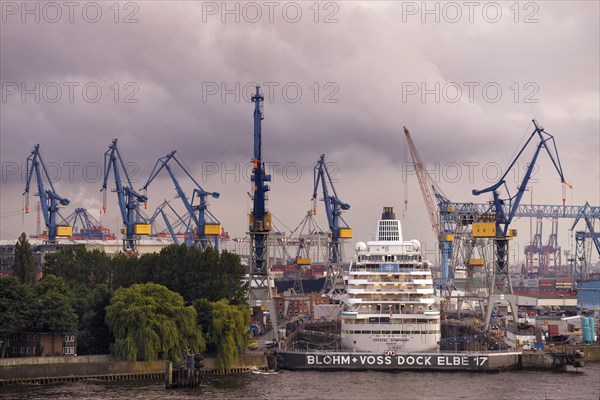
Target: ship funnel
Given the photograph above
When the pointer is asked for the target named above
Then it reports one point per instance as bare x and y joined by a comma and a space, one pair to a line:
388, 213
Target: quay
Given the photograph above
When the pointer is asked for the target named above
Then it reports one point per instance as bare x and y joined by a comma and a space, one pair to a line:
48, 370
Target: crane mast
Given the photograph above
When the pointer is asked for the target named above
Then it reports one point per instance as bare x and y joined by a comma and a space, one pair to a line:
337, 226
50, 201
259, 221
128, 199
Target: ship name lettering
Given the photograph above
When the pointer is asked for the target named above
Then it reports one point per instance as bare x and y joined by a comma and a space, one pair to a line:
327, 360
453, 361
340, 360
371, 360
410, 360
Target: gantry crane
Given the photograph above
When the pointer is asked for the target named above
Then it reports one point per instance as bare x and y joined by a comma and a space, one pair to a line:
85, 226
504, 211
444, 236
50, 201
160, 211
337, 226
581, 263
203, 224
128, 199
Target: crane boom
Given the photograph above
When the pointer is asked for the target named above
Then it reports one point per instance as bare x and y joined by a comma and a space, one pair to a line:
441, 231
424, 179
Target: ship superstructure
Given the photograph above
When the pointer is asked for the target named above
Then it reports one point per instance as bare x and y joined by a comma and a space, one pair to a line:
391, 304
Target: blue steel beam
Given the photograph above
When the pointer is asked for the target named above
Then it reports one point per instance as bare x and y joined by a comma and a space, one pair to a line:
49, 199
127, 196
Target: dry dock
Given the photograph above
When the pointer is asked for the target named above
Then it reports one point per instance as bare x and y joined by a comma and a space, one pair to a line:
483, 361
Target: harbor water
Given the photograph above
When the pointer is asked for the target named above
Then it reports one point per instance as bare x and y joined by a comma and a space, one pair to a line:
347, 385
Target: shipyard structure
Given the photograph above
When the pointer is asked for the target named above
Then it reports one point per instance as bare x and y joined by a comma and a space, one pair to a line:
387, 297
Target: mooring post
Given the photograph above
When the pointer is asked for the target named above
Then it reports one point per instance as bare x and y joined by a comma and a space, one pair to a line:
168, 375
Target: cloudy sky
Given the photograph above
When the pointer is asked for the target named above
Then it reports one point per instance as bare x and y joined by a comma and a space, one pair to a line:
340, 78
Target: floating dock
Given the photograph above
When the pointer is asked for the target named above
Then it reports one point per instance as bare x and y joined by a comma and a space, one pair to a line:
489, 361
484, 361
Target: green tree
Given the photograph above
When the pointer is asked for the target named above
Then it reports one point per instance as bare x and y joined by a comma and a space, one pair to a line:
15, 307
93, 336
127, 271
24, 266
90, 276
54, 312
226, 328
80, 267
150, 322
196, 273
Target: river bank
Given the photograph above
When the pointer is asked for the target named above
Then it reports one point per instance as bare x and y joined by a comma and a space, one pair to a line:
43, 370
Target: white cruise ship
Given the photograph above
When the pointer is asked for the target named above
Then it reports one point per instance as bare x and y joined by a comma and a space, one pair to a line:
391, 305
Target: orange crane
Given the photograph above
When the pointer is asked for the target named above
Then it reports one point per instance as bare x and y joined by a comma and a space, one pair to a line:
428, 186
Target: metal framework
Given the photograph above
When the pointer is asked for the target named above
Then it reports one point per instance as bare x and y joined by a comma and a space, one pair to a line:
260, 226
203, 225
128, 199
501, 288
431, 195
50, 201
337, 226
85, 226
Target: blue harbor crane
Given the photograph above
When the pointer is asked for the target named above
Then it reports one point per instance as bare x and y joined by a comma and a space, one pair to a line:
503, 211
259, 224
260, 219
450, 218
50, 201
89, 227
337, 226
160, 211
128, 199
203, 224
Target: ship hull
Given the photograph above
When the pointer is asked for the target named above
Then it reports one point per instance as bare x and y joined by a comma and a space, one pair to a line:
292, 360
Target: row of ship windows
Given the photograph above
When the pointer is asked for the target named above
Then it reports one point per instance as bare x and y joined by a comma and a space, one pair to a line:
395, 286
418, 332
378, 258
380, 297
390, 278
390, 268
413, 321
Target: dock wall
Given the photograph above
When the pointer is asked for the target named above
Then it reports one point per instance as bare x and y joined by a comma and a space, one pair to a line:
56, 369
591, 351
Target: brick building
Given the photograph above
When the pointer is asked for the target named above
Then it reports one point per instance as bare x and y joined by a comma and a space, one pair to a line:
34, 344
